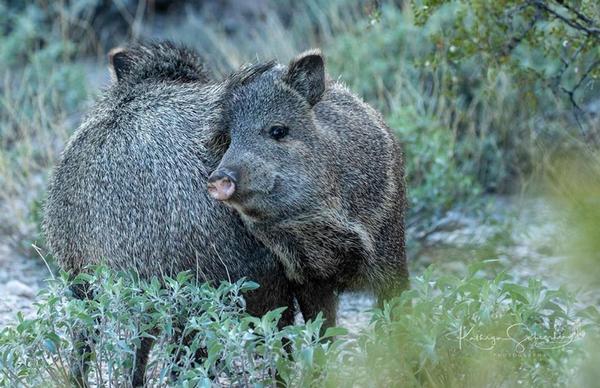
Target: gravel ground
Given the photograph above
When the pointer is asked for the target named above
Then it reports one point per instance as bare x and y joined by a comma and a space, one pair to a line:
20, 280
523, 235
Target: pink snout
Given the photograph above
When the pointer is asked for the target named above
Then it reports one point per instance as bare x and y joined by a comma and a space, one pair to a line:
221, 185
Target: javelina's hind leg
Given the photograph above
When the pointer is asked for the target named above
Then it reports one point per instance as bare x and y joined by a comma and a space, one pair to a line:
199, 356
392, 289
80, 360
141, 359
82, 351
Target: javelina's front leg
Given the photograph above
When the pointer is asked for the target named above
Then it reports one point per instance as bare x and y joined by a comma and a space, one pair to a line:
316, 296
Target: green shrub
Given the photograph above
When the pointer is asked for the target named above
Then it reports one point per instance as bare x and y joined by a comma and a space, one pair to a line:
243, 349
433, 171
446, 331
475, 331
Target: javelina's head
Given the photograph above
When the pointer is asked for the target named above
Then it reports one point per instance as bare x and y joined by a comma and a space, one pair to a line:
273, 164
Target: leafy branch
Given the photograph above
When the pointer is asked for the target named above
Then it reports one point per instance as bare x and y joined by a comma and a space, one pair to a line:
579, 21
545, 24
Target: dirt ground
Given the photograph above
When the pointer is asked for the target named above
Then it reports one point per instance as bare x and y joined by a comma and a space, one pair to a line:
20, 280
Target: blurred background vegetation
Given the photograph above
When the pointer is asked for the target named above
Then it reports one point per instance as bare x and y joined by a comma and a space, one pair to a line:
485, 95
497, 104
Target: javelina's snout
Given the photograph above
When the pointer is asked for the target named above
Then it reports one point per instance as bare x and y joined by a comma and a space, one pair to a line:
221, 184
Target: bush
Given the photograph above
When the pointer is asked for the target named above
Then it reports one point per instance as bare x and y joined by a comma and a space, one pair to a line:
446, 331
470, 124
240, 348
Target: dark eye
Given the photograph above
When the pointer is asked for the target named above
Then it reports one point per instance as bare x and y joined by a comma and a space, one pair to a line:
278, 132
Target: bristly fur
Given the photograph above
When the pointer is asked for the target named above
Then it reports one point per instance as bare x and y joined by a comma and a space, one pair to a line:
247, 74
158, 61
329, 197
128, 189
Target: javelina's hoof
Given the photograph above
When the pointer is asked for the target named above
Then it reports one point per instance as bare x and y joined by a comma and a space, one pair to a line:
139, 379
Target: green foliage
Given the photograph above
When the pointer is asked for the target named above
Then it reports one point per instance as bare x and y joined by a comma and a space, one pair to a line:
575, 187
552, 45
474, 331
436, 179
446, 331
474, 116
124, 310
453, 126
42, 90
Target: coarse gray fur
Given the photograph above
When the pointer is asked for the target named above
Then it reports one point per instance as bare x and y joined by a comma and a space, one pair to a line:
328, 198
128, 190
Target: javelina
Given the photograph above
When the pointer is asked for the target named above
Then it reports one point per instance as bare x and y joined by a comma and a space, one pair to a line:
317, 176
128, 189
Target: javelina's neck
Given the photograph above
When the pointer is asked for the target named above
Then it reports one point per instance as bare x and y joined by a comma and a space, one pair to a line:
325, 249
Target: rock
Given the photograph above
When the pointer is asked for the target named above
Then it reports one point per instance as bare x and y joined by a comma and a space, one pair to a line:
16, 287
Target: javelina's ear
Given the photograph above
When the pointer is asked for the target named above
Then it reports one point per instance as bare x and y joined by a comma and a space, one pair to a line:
306, 74
120, 63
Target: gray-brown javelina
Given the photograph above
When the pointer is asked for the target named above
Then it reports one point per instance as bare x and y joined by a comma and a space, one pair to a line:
317, 176
128, 190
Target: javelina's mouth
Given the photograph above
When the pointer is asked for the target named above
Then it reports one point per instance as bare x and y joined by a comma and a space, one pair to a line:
254, 213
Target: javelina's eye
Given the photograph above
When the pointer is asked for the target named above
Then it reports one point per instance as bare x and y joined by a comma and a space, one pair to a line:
278, 132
